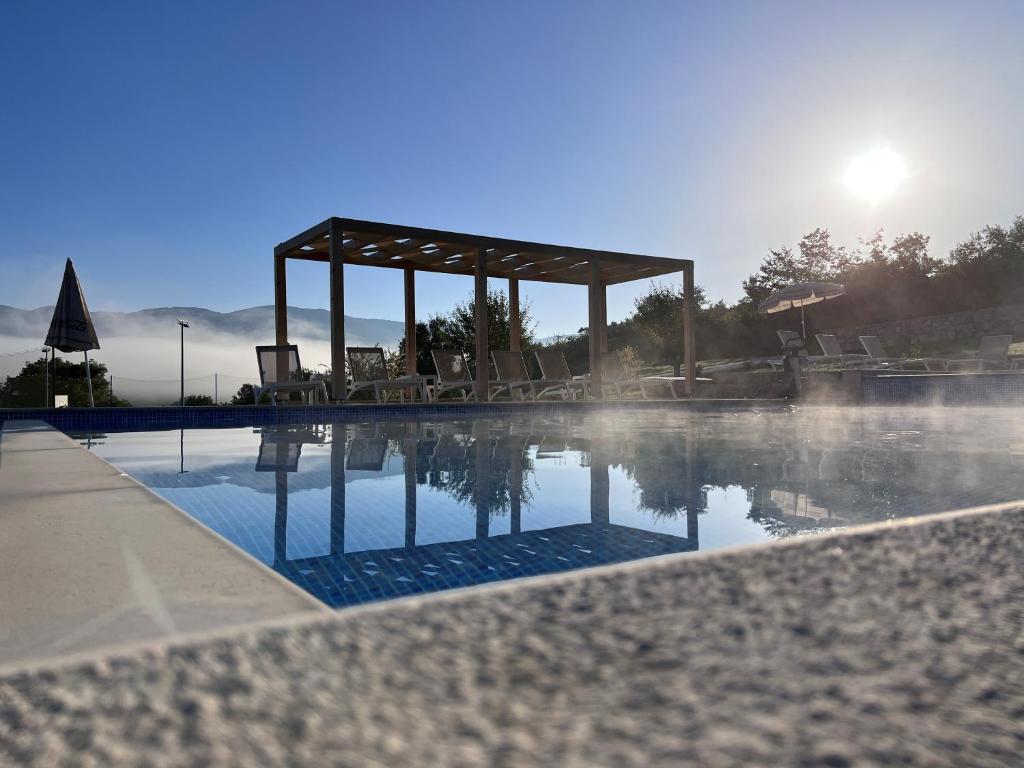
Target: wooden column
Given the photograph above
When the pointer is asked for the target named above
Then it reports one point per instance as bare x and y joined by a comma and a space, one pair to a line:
337, 312
603, 296
480, 305
280, 299
515, 342
689, 335
281, 518
516, 489
410, 321
482, 467
594, 331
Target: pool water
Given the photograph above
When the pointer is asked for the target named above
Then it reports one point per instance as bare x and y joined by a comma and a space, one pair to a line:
355, 512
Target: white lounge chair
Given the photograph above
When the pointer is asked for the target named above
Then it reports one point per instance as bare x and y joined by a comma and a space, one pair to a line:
614, 376
555, 376
281, 373
878, 356
993, 355
370, 371
834, 351
453, 374
512, 376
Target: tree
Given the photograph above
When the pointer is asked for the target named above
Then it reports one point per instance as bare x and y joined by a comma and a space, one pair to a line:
457, 330
246, 396
27, 389
198, 400
659, 318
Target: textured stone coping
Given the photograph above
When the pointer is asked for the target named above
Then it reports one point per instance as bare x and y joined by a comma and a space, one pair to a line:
897, 644
90, 558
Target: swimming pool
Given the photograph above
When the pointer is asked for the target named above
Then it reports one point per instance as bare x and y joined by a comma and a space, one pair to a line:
361, 511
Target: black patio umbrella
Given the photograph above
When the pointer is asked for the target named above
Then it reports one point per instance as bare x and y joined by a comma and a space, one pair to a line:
71, 329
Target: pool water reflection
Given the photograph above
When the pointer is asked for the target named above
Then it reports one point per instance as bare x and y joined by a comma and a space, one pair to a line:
361, 512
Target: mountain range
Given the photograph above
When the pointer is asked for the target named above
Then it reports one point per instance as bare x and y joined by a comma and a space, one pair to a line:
255, 324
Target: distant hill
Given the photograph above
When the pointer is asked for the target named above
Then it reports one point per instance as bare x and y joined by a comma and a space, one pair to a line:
255, 324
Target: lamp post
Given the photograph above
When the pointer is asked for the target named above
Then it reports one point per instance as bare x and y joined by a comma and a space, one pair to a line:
183, 325
46, 377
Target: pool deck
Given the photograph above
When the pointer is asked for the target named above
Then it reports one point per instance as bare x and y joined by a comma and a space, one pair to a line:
91, 558
892, 644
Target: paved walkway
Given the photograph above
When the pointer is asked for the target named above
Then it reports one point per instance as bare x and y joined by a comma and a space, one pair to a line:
898, 644
90, 558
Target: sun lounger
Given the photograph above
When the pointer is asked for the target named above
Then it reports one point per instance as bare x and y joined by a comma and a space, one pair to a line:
512, 376
281, 373
613, 375
453, 374
834, 352
555, 376
993, 355
877, 356
369, 370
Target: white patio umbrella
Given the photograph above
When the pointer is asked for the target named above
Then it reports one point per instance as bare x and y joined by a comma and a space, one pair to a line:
71, 329
800, 295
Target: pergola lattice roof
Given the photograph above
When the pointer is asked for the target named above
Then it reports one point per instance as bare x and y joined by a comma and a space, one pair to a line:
389, 245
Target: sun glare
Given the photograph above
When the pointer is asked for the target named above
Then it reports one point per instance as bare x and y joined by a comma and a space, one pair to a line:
876, 174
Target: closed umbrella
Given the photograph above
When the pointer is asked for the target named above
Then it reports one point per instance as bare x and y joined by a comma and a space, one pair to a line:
71, 329
800, 295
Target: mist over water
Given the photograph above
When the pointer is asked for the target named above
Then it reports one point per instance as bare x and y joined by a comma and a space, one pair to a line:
361, 511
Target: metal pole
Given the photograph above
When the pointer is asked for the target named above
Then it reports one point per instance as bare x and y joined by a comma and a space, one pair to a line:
215, 398
46, 377
88, 378
183, 325
111, 389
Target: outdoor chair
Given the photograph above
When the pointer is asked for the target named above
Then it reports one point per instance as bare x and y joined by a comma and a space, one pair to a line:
993, 354
452, 374
281, 373
367, 453
512, 376
370, 371
877, 354
834, 351
555, 376
613, 375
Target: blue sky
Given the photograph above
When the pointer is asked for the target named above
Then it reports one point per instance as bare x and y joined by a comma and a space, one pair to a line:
167, 147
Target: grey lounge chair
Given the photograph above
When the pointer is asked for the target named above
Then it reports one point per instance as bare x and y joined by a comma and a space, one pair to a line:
613, 375
453, 374
370, 371
834, 351
512, 376
555, 376
993, 354
878, 356
795, 344
281, 373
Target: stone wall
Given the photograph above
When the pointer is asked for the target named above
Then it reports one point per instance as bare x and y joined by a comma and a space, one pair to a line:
899, 335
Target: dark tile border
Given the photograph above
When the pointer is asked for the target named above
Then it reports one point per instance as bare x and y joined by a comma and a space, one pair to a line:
173, 417
994, 388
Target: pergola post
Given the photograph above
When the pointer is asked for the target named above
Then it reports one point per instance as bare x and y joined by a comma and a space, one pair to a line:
689, 334
603, 297
515, 341
480, 317
410, 321
594, 289
280, 299
337, 262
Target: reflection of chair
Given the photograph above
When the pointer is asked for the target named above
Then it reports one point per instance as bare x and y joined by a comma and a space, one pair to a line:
367, 453
370, 371
512, 375
555, 376
281, 372
280, 447
452, 373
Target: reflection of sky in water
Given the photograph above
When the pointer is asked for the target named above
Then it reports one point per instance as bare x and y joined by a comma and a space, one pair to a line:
341, 513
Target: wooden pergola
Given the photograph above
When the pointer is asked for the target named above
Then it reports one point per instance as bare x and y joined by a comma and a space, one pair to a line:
349, 241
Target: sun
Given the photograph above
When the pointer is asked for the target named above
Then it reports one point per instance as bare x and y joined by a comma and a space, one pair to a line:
875, 175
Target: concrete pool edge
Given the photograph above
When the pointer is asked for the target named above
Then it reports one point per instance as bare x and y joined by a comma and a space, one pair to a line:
815, 619
92, 558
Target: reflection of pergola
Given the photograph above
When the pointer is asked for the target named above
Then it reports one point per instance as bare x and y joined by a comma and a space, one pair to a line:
344, 577
348, 241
